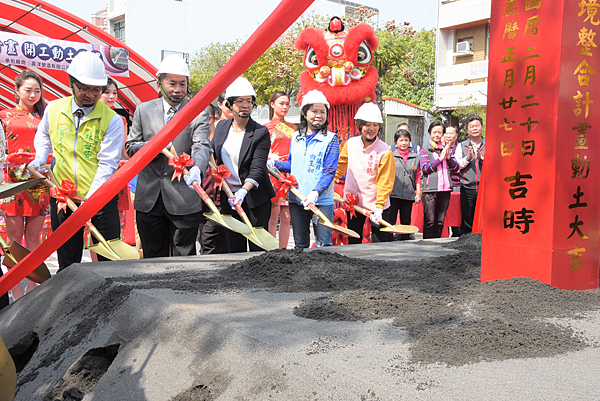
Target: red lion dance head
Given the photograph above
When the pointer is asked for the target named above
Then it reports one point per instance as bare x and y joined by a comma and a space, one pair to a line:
338, 64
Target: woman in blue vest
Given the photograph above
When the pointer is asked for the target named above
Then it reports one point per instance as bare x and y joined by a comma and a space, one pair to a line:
313, 160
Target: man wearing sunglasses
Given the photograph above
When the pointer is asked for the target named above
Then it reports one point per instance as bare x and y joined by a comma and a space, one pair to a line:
85, 137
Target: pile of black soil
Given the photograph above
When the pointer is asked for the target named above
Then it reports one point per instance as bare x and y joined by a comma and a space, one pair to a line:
451, 317
457, 320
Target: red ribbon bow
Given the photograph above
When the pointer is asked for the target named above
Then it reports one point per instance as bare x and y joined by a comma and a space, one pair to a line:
285, 185
220, 173
179, 164
63, 193
349, 203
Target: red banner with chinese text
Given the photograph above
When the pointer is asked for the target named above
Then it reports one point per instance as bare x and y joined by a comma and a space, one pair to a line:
540, 205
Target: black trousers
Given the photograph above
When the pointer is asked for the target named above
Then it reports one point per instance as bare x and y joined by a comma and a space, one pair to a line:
435, 205
403, 206
212, 237
106, 221
164, 234
259, 217
468, 200
357, 223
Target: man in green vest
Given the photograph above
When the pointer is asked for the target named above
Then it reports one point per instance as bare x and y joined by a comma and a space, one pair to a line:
86, 138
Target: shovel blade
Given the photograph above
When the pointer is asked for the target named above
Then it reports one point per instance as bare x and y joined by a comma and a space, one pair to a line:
263, 239
8, 374
100, 249
125, 251
340, 230
401, 229
39, 275
229, 223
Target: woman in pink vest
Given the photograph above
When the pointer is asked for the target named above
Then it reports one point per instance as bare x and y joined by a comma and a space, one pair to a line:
370, 170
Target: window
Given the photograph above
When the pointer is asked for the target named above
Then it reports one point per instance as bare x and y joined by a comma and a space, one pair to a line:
119, 30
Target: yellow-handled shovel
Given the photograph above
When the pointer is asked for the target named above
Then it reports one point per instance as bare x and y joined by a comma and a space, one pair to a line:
258, 235
398, 228
114, 249
324, 220
225, 220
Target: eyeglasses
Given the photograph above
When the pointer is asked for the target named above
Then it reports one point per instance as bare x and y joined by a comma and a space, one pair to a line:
96, 91
240, 102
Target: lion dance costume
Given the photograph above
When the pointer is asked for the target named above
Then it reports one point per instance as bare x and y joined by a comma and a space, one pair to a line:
338, 64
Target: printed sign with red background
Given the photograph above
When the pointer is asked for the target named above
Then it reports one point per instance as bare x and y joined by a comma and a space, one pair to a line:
540, 205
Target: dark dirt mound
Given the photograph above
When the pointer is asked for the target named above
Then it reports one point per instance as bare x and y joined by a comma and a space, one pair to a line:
298, 271
455, 319
451, 316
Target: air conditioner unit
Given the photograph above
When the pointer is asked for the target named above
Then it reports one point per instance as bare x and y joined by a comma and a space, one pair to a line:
464, 48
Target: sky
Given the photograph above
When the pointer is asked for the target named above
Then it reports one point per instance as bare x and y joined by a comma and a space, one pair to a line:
423, 16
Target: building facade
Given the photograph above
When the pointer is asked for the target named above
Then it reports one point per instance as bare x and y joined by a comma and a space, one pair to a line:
461, 54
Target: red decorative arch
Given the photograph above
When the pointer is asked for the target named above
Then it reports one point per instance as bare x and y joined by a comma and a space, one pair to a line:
39, 18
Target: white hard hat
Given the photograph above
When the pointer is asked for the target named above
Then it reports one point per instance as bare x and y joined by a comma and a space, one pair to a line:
369, 112
174, 64
87, 68
240, 87
314, 97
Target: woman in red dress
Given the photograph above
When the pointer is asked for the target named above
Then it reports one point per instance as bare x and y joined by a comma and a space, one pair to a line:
281, 132
24, 213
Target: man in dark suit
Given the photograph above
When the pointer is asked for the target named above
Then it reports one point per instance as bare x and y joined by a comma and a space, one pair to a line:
243, 146
168, 212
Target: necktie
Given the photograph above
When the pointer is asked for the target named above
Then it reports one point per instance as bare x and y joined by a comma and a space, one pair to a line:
171, 113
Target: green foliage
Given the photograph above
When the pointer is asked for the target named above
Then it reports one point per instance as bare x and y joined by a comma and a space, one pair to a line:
406, 65
467, 107
280, 66
276, 69
205, 63
404, 60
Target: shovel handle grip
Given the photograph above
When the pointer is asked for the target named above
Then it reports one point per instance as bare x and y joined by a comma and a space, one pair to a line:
276, 173
195, 184
224, 184
51, 182
365, 212
37, 174
213, 164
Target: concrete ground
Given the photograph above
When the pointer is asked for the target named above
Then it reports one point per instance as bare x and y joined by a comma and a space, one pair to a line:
248, 345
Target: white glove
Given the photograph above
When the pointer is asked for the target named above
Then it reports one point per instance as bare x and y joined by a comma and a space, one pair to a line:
311, 198
271, 163
376, 215
238, 197
37, 165
194, 176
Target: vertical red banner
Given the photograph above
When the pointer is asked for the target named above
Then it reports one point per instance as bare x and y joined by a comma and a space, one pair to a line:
540, 205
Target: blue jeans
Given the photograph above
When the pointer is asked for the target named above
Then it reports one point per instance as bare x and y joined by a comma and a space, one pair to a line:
301, 219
